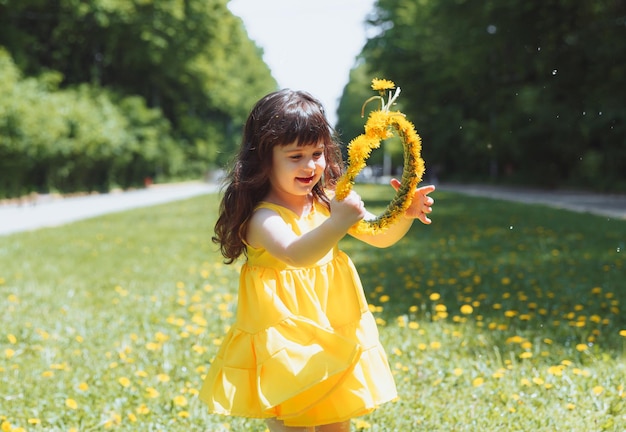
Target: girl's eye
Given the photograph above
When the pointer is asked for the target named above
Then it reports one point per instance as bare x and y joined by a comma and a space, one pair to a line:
295, 157
318, 154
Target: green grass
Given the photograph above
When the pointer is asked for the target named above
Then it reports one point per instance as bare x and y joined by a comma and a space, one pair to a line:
498, 316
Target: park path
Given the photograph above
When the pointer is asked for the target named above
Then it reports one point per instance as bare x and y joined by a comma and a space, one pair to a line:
47, 211
609, 205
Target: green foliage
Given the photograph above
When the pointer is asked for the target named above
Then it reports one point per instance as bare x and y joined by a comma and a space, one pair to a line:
82, 138
510, 91
190, 61
111, 322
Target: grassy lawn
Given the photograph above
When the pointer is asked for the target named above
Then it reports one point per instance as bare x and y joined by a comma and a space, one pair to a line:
498, 316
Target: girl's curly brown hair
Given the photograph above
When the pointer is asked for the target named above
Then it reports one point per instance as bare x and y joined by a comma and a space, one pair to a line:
280, 118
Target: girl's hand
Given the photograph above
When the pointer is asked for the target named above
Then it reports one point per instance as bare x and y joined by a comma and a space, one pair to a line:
421, 205
348, 211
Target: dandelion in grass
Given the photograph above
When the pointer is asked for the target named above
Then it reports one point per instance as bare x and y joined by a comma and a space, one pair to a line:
478, 381
152, 393
361, 424
581, 347
597, 390
124, 382
180, 401
163, 377
142, 409
467, 309
71, 404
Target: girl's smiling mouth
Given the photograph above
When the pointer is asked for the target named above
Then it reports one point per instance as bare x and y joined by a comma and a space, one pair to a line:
305, 180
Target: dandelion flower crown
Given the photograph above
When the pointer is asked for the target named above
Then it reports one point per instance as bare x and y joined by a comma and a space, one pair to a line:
380, 126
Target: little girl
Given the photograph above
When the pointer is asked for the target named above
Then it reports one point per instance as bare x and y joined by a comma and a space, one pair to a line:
304, 351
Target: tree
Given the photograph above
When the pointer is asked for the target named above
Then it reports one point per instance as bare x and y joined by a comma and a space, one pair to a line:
511, 91
191, 59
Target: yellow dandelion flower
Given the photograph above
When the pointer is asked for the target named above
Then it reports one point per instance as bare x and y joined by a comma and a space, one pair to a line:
83, 386
151, 392
142, 409
413, 325
9, 353
153, 346
71, 404
435, 345
478, 381
132, 417
622, 333
538, 381
12, 339
457, 371
570, 406
556, 370
597, 390
163, 377
467, 309
141, 373
161, 337
581, 347
124, 382
199, 349
384, 298
183, 414
180, 400
515, 339
5, 426
526, 355
382, 84
434, 296
362, 424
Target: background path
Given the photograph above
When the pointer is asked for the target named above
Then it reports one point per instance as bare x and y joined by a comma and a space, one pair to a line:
48, 211
610, 205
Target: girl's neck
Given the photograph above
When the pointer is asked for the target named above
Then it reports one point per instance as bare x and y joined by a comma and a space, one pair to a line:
299, 204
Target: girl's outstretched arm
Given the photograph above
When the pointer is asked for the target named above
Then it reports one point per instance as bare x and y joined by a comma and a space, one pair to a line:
421, 207
270, 232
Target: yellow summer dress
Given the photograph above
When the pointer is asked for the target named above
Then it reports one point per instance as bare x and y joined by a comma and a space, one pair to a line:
304, 347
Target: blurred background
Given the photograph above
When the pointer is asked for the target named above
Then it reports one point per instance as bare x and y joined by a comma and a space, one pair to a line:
104, 94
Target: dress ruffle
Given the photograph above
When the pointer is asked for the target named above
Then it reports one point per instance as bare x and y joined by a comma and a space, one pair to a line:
300, 373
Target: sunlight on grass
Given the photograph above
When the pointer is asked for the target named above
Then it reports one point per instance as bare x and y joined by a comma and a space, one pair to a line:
497, 317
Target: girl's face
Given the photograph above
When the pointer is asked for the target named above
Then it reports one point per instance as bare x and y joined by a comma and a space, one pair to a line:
296, 169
